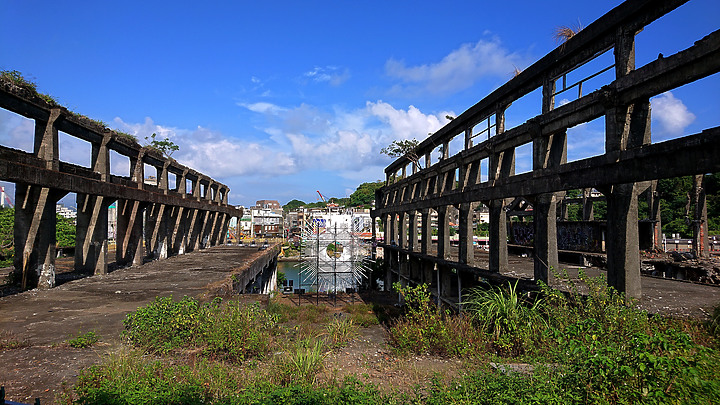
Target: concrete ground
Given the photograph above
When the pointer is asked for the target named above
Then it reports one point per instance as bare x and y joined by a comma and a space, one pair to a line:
46, 319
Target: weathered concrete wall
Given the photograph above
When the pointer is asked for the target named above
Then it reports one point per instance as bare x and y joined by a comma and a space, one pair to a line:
153, 220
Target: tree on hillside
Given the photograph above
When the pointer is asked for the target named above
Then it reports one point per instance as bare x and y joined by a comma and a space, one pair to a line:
293, 205
7, 247
365, 193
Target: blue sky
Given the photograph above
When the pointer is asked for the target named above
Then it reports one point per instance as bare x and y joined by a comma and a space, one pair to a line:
279, 99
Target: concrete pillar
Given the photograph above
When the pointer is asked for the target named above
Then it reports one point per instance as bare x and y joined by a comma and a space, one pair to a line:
91, 233
654, 207
443, 247
157, 232
466, 250
412, 231
545, 241
130, 247
500, 165
137, 169
373, 249
626, 127
393, 229
623, 246
34, 235
193, 232
588, 213
101, 158
162, 172
45, 145
426, 236
402, 230
700, 241
176, 224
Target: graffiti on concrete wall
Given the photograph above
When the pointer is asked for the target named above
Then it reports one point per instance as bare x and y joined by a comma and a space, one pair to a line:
584, 236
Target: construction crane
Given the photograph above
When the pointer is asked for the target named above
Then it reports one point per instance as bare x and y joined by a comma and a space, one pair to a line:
4, 197
324, 199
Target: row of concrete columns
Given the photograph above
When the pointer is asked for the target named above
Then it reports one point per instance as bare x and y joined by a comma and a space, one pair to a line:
627, 127
159, 229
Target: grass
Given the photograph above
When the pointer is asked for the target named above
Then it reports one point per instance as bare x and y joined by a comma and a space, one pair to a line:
8, 341
591, 348
83, 340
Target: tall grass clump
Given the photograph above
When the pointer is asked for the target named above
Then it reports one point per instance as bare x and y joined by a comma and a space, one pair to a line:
301, 364
340, 331
510, 324
232, 331
425, 329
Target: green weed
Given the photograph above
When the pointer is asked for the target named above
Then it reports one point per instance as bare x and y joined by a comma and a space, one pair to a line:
510, 323
341, 331
302, 365
83, 340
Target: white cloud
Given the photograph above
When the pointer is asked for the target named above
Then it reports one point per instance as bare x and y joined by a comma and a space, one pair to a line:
458, 70
215, 154
345, 142
672, 115
262, 107
407, 124
330, 74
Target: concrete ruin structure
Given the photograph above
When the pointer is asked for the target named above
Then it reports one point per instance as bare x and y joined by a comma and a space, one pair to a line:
153, 221
483, 172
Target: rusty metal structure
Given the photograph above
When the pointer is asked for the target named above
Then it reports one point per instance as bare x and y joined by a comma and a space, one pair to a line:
154, 221
630, 165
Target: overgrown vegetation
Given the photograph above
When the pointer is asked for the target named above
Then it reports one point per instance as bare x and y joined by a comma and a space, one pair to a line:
577, 349
230, 331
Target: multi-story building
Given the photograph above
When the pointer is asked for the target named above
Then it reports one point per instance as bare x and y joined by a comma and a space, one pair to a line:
266, 219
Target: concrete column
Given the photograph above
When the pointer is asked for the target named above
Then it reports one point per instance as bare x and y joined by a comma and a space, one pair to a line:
587, 205
700, 241
373, 249
101, 158
91, 233
163, 182
545, 242
393, 229
623, 254
224, 223
137, 169
654, 207
501, 165
207, 223
130, 247
45, 145
426, 236
412, 231
157, 232
34, 235
193, 233
548, 152
177, 220
402, 230
626, 127
466, 253
443, 247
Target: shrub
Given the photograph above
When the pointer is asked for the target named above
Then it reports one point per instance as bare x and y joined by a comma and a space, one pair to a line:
424, 328
231, 331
